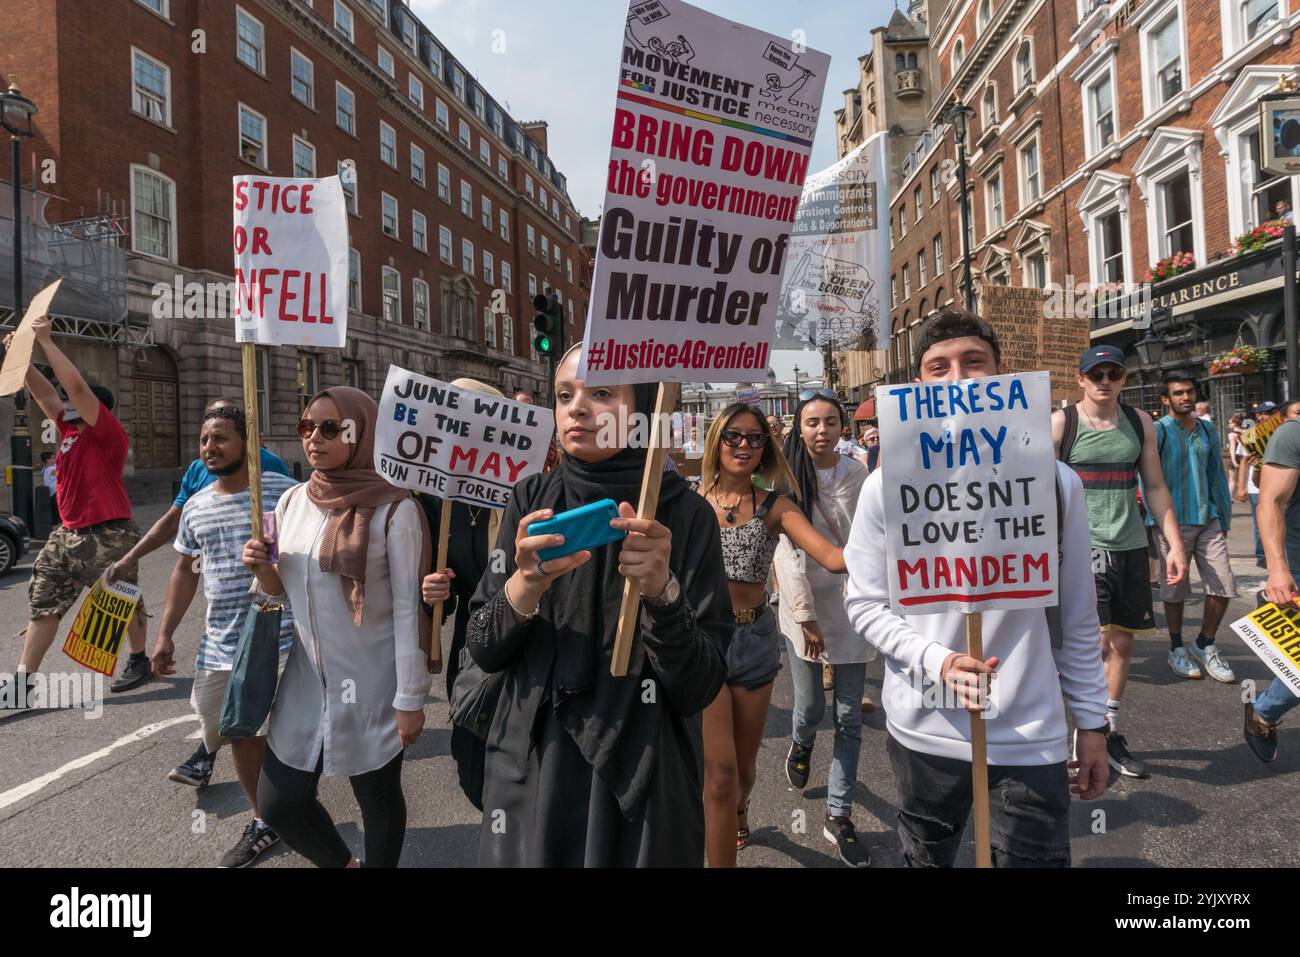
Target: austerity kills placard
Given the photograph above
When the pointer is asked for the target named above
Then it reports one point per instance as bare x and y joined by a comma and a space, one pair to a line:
713, 128
970, 494
1273, 633
96, 634
291, 261
457, 444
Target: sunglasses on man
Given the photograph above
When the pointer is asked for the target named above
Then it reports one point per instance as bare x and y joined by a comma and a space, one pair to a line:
330, 429
734, 438
1114, 375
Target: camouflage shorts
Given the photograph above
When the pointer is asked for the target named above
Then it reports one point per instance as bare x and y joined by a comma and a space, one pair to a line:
74, 559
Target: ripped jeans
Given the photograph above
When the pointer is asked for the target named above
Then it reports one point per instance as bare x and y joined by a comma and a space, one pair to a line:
1029, 810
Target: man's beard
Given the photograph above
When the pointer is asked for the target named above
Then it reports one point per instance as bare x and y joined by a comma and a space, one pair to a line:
230, 469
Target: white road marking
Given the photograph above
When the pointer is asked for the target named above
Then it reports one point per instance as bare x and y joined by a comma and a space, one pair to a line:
14, 795
195, 736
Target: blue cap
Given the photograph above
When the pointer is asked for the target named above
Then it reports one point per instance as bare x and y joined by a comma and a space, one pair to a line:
1100, 355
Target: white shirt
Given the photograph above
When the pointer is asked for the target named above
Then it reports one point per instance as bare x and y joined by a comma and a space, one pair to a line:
49, 478
342, 683
1029, 724
808, 591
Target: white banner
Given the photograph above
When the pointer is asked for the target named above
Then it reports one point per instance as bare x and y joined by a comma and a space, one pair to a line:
291, 261
970, 494
457, 444
713, 128
838, 277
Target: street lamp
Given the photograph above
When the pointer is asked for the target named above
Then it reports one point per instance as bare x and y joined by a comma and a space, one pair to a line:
16, 112
958, 115
1151, 349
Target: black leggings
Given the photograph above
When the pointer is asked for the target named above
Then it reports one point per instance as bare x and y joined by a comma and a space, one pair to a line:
287, 797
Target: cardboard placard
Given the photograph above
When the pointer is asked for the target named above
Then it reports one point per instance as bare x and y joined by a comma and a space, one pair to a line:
19, 357
1273, 633
100, 624
1033, 336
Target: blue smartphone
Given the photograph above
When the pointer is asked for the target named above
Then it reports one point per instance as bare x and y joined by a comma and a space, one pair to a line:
585, 527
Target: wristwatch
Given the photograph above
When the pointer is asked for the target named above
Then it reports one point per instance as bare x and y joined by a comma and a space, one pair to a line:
669, 596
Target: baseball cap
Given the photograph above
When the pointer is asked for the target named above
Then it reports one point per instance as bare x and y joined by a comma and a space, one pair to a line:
1100, 355
1264, 408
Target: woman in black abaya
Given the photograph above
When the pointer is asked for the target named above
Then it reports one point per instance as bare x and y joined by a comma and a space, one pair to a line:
581, 768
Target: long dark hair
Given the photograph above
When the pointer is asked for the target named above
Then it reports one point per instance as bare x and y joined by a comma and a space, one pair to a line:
797, 454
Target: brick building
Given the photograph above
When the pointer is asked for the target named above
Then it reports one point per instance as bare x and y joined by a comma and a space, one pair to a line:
458, 215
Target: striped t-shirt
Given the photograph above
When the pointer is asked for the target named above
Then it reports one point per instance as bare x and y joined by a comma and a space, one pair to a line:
1105, 462
216, 526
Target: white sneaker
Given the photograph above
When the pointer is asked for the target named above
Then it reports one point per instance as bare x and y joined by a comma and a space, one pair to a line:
1182, 664
1214, 663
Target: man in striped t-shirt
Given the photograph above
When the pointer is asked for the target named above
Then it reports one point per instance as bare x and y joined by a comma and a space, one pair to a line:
214, 525
1109, 444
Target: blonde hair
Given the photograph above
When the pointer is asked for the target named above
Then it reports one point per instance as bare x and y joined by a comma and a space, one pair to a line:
473, 385
773, 469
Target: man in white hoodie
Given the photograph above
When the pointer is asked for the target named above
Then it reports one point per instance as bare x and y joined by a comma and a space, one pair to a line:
929, 745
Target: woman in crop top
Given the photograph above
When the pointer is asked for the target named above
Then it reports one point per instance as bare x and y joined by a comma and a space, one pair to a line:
739, 455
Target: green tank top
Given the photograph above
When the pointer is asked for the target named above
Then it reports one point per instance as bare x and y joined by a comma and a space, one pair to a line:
1104, 461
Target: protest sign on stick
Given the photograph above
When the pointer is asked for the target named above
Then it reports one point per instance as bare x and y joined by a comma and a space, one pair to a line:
291, 280
101, 621
1273, 633
713, 128
970, 505
458, 444
13, 374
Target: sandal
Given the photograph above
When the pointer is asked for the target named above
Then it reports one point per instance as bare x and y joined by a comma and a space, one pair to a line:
742, 833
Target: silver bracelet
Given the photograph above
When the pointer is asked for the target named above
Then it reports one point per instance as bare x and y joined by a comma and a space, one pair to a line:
518, 614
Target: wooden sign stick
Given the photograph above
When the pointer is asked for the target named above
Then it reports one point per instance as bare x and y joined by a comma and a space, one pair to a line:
979, 752
439, 562
253, 442
651, 480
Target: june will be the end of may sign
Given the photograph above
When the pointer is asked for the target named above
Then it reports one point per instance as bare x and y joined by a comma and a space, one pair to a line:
970, 494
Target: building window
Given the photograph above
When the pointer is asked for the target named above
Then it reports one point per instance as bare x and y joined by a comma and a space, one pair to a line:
252, 136
934, 185
444, 244
348, 179
922, 274
1030, 179
304, 158
1256, 16
419, 231
249, 40
410, 35
918, 200
415, 90
907, 282
984, 16
441, 115
1163, 60
354, 280
1036, 271
541, 196
568, 268
938, 255
467, 257
902, 220
1099, 118
420, 299
380, 7
489, 271
345, 109
302, 82
489, 328
392, 287
1111, 229
893, 292
532, 241
343, 22
457, 307
389, 217
159, 7
485, 205
1177, 234
555, 255
1025, 65
263, 386
970, 218
532, 287
993, 199
386, 63
152, 85
546, 249
958, 55
417, 164
153, 222
501, 166
528, 184
506, 282
387, 144
464, 133
308, 381
444, 184
503, 219
484, 152
466, 200
508, 335
990, 106
458, 83
1266, 189
352, 373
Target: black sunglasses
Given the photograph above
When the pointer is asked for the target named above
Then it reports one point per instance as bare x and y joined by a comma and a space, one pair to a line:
1114, 375
329, 429
807, 395
734, 438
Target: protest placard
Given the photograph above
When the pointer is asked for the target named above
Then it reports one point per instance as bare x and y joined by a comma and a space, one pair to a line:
101, 621
1273, 633
291, 261
970, 494
460, 445
1032, 339
713, 128
835, 286
13, 375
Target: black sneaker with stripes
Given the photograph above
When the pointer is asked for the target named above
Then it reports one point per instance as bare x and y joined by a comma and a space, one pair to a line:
257, 839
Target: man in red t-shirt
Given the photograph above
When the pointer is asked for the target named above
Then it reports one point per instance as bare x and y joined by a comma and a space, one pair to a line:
97, 528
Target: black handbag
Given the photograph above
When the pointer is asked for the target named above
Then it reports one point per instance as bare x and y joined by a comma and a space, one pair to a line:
474, 697
255, 673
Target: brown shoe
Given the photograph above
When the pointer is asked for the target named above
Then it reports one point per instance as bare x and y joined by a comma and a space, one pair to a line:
1260, 735
868, 705
828, 678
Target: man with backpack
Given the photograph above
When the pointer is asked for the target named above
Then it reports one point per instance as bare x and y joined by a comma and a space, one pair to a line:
1192, 461
1110, 443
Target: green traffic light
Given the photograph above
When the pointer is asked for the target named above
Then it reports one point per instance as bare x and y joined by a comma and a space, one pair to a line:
543, 345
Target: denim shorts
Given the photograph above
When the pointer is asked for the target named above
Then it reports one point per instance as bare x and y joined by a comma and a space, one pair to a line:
754, 655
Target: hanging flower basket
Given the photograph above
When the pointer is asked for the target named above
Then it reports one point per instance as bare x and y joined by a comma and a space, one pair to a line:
1239, 360
1169, 267
1258, 238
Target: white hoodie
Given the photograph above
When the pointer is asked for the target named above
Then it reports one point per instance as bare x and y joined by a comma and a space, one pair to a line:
1028, 725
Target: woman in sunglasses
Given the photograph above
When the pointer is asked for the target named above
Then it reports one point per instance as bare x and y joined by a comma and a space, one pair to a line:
351, 552
739, 457
583, 769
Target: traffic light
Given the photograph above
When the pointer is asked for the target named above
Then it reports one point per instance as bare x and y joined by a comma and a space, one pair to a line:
549, 325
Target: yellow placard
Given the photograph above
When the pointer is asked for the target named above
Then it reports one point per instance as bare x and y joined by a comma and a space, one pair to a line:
101, 621
1273, 633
